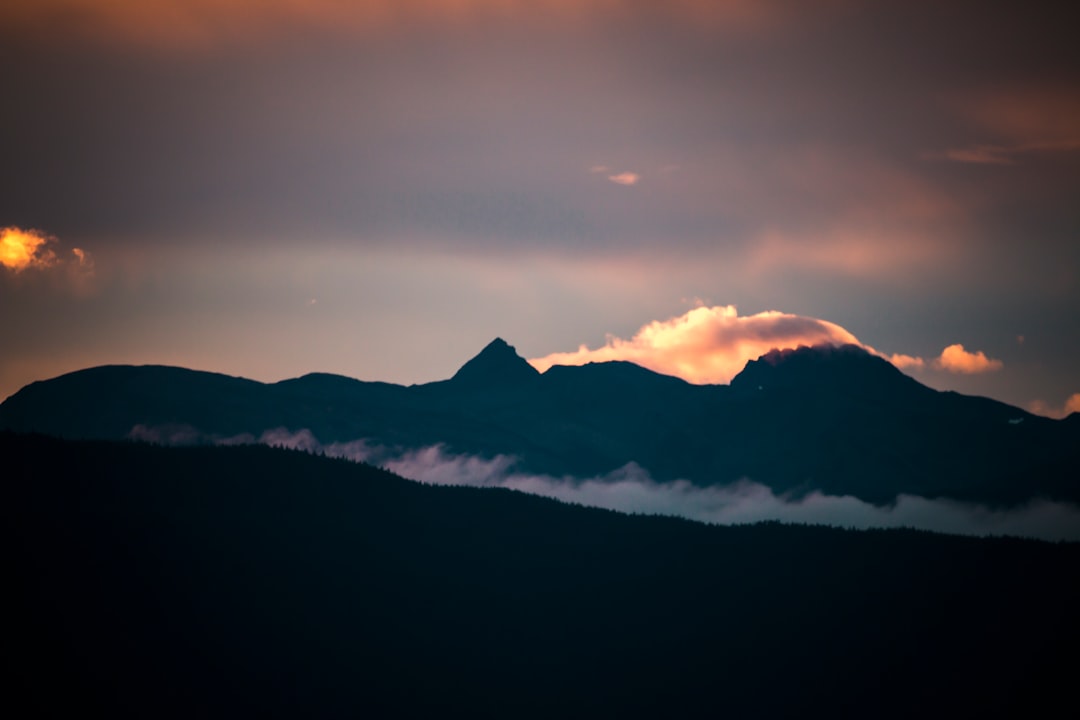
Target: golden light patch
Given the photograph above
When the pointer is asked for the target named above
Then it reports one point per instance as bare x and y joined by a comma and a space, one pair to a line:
22, 249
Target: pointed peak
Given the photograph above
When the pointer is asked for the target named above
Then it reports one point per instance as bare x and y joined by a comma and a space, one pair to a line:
498, 345
499, 364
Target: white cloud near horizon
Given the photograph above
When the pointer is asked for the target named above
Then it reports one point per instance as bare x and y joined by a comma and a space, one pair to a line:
631, 489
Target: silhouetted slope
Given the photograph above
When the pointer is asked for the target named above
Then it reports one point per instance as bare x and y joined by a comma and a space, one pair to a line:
836, 420
102, 402
235, 581
843, 369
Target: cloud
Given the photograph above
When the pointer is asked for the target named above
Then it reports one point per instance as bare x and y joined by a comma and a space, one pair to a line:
1072, 404
953, 359
907, 362
1003, 154
980, 155
82, 258
1026, 120
713, 344
956, 359
622, 178
24, 249
872, 244
1030, 118
707, 344
631, 489
32, 250
187, 24
625, 178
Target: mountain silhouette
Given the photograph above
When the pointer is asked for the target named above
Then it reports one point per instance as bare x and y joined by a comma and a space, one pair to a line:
837, 420
496, 364
845, 369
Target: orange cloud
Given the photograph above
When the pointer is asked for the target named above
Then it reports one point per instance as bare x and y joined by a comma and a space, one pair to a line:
713, 344
907, 362
958, 360
22, 249
625, 178
707, 344
1072, 404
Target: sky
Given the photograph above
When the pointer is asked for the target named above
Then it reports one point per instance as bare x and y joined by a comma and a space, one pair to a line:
268, 188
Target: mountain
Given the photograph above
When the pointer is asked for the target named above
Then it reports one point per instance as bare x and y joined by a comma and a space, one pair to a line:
831, 419
497, 364
841, 369
148, 581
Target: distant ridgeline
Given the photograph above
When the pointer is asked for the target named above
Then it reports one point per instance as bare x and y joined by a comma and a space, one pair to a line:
833, 419
147, 581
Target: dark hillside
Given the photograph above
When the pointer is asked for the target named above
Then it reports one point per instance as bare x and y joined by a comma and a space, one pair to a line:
200, 581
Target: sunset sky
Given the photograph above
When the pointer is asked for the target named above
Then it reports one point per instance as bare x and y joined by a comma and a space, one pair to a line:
268, 188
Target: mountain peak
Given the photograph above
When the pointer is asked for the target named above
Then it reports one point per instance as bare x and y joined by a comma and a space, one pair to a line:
498, 364
822, 366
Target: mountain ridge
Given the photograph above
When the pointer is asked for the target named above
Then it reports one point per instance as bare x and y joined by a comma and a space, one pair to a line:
834, 420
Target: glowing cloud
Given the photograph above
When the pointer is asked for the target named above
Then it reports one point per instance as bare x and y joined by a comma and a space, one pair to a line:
22, 249
907, 362
32, 250
625, 178
707, 344
958, 360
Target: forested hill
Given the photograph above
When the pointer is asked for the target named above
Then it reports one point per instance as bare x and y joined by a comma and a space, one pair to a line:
239, 581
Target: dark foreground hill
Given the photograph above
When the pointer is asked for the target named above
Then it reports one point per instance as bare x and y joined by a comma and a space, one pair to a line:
837, 420
241, 581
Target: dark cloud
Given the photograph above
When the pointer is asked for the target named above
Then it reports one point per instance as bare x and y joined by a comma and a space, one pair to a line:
480, 130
